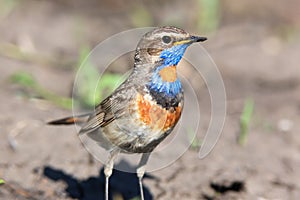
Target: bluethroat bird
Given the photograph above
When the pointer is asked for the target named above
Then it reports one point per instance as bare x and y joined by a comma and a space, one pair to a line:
145, 108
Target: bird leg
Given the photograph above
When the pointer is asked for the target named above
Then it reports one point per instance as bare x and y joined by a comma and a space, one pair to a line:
108, 169
141, 171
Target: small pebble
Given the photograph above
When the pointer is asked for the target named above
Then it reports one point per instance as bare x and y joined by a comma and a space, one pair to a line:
285, 125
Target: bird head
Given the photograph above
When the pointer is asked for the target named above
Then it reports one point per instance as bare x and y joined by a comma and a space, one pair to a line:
165, 45
158, 53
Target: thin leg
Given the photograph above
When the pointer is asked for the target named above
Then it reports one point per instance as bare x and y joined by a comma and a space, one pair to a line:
106, 187
141, 171
109, 168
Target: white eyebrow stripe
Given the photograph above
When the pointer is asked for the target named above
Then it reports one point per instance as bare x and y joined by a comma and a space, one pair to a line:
172, 34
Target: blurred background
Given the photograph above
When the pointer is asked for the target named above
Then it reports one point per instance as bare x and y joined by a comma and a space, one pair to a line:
256, 46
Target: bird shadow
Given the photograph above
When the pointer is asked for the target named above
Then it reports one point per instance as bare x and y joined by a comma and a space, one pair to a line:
120, 184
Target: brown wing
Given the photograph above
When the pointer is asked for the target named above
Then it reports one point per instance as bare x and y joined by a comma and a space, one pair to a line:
108, 110
101, 117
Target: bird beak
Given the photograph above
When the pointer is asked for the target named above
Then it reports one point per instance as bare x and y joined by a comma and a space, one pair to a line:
197, 39
190, 40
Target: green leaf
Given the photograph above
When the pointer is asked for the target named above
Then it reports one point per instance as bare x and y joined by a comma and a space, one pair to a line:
194, 140
209, 15
245, 121
107, 84
7, 6
27, 81
2, 181
91, 88
23, 79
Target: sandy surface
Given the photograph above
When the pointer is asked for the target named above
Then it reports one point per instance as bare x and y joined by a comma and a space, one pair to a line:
51, 163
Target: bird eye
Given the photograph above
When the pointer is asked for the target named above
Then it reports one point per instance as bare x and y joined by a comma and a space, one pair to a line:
166, 39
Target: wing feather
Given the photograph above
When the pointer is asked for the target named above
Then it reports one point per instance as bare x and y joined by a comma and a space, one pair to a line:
108, 110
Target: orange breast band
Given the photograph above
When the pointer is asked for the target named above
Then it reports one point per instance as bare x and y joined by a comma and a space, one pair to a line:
155, 116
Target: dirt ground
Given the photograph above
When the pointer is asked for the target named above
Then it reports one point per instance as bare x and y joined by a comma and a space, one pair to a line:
256, 49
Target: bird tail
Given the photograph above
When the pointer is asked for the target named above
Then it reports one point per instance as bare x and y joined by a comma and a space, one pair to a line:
79, 119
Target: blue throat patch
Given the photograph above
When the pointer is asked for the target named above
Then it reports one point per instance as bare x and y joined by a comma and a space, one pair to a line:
171, 57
